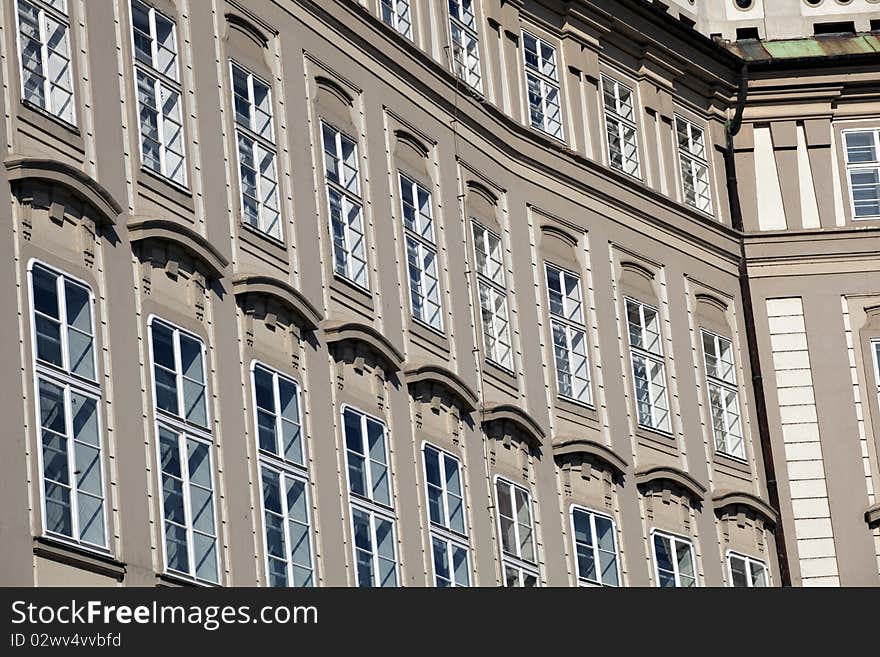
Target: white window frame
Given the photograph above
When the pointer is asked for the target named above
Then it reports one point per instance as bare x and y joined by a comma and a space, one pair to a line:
510, 560
570, 322
277, 377
264, 220
421, 239
691, 162
366, 504
69, 383
465, 61
545, 83
285, 472
497, 334
349, 198
861, 167
875, 350
664, 424
185, 430
443, 531
160, 84
399, 16
725, 435
582, 581
674, 539
613, 118
747, 562
43, 9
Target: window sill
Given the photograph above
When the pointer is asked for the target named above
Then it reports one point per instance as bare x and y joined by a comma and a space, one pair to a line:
273, 247
503, 378
579, 412
666, 442
79, 556
349, 294
178, 580
428, 337
729, 463
50, 124
174, 192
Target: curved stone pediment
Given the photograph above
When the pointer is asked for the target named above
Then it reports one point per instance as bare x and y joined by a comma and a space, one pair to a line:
281, 291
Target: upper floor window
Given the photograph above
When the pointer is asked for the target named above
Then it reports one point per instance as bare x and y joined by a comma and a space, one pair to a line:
421, 253
184, 447
64, 336
518, 555
694, 165
465, 43
746, 571
542, 85
648, 365
257, 162
277, 415
159, 92
569, 334
179, 373
620, 126
674, 561
342, 177
595, 548
370, 503
723, 394
449, 546
396, 13
44, 51
68, 401
863, 170
493, 296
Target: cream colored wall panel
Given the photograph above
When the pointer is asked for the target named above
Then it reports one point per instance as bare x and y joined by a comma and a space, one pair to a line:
771, 210
809, 205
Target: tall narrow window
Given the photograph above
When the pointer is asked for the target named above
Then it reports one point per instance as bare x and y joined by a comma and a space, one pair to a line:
746, 571
863, 171
723, 395
674, 561
542, 85
518, 557
569, 334
449, 544
620, 126
284, 479
648, 365
421, 253
342, 177
44, 51
159, 93
694, 165
465, 43
257, 162
493, 296
396, 13
370, 499
185, 442
68, 401
875, 349
595, 548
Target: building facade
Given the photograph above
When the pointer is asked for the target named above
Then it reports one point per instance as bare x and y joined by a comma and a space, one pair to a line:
460, 293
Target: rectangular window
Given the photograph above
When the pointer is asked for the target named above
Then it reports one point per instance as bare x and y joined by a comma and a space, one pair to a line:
493, 296
188, 504
875, 349
595, 548
518, 556
178, 374
396, 14
342, 177
257, 161
421, 253
465, 43
674, 561
746, 571
723, 395
44, 52
542, 85
863, 171
369, 488
288, 537
694, 164
68, 399
159, 92
620, 126
569, 334
277, 415
648, 365
446, 513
